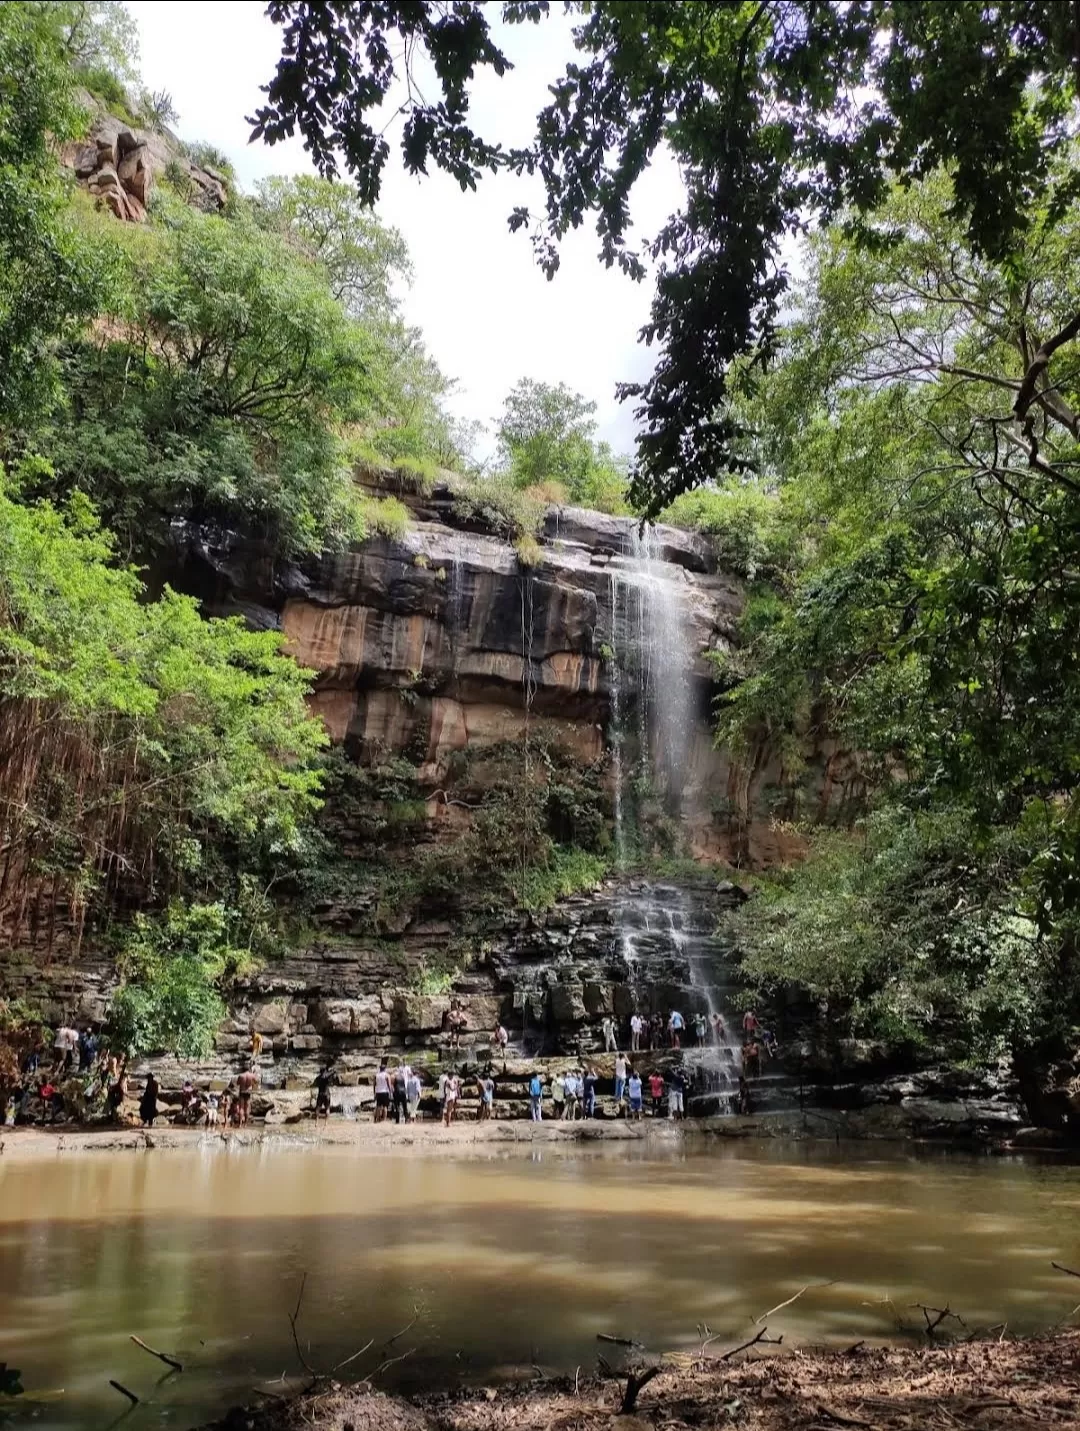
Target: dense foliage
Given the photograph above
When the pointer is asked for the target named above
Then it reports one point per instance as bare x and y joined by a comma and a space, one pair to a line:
924, 615
547, 442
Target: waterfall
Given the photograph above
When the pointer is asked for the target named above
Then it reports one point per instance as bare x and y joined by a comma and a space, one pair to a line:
665, 935
651, 678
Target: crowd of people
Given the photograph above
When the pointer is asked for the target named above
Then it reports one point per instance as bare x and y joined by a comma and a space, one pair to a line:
84, 1080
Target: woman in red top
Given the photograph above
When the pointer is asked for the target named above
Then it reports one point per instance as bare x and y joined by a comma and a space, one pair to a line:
656, 1090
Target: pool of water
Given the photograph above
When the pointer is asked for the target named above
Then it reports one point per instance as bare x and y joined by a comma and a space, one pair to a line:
498, 1262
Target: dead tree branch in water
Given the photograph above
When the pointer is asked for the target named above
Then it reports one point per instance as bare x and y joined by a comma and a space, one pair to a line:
161, 1356
294, 1317
745, 1346
781, 1305
940, 1314
116, 1386
1067, 1270
619, 1341
349, 1359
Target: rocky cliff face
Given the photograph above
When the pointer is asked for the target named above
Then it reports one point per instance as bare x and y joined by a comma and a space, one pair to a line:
442, 642
440, 653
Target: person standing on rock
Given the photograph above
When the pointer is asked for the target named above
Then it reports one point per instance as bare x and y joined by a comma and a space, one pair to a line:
486, 1088
656, 1091
148, 1109
719, 1032
675, 1024
453, 1089
677, 1095
245, 1085
656, 1031
701, 1027
634, 1089
323, 1080
635, 1031
570, 1083
502, 1038
536, 1098
558, 1096
608, 1028
382, 1092
590, 1092
401, 1092
620, 1079
749, 1025
414, 1091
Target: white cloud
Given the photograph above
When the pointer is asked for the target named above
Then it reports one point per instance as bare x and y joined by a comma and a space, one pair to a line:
488, 314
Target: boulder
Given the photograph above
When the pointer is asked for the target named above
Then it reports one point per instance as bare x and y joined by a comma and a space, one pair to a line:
271, 1018
136, 173
418, 1013
346, 1017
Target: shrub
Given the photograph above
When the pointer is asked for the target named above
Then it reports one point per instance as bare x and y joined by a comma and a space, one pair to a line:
528, 549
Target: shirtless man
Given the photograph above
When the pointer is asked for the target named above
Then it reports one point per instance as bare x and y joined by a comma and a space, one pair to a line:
244, 1086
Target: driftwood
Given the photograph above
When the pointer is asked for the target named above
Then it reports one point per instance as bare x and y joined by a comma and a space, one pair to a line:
635, 1382
1067, 1270
161, 1356
124, 1392
618, 1341
745, 1346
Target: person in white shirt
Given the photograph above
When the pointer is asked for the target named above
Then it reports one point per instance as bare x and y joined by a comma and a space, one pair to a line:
635, 1031
620, 1078
382, 1093
453, 1088
608, 1027
414, 1090
570, 1084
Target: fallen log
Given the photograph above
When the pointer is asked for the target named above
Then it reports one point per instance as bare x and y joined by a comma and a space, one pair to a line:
124, 1392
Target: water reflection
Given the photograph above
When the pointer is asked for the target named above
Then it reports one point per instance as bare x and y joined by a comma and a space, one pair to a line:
504, 1261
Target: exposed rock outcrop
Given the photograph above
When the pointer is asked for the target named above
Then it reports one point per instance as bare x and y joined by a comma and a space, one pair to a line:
118, 164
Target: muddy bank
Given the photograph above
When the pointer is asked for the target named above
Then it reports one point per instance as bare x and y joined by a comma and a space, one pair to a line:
432, 1137
992, 1383
420, 1138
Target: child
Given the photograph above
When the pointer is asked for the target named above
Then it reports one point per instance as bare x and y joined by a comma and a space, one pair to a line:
211, 1110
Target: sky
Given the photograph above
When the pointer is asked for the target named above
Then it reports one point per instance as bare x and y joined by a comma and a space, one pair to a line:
488, 314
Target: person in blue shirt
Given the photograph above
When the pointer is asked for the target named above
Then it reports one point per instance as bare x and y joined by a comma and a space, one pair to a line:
634, 1090
675, 1024
536, 1098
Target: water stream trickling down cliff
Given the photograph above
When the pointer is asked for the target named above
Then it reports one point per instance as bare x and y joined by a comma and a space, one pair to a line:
663, 938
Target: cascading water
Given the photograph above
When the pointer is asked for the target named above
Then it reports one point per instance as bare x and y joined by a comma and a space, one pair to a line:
665, 942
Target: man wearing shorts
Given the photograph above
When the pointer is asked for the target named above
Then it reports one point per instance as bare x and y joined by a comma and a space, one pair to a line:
244, 1085
634, 1089
382, 1093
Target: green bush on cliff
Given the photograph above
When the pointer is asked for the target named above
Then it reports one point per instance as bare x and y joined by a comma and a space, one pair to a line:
213, 391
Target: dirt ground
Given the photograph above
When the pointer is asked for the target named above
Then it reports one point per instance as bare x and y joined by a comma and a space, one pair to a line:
419, 1138
988, 1385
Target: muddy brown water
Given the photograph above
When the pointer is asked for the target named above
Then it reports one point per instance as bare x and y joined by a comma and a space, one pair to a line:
504, 1260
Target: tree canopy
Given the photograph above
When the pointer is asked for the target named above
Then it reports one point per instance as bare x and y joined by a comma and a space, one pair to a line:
547, 441
777, 112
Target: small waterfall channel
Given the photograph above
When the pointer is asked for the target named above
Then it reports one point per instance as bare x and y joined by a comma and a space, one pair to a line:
665, 932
